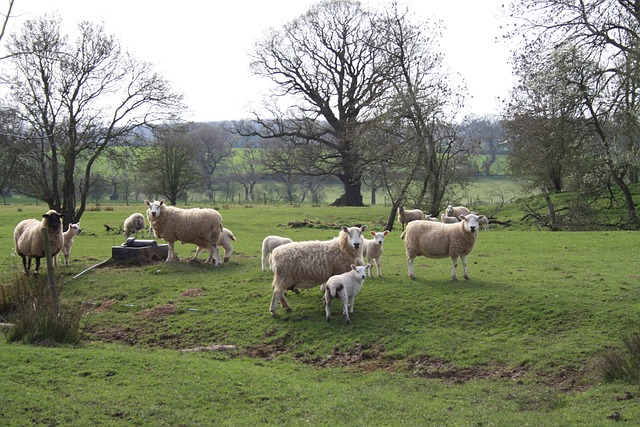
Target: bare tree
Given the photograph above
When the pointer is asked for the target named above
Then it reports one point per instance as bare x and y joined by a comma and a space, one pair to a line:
78, 99
331, 63
213, 145
247, 173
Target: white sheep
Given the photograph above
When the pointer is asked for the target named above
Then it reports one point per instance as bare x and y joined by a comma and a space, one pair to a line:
29, 241
225, 241
372, 250
269, 243
201, 227
456, 211
67, 237
438, 240
449, 219
346, 287
132, 224
406, 217
431, 218
307, 264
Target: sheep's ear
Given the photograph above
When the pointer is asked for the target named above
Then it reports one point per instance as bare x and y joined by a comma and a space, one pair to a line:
364, 228
161, 202
353, 267
45, 216
373, 233
385, 232
345, 229
462, 217
148, 203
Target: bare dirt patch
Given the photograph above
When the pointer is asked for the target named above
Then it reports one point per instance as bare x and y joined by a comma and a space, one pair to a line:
193, 293
157, 313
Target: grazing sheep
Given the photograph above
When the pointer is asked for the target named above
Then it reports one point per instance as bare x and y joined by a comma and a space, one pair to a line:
201, 227
456, 211
307, 264
67, 237
225, 241
372, 250
406, 217
345, 286
132, 224
29, 242
449, 219
268, 245
438, 240
431, 218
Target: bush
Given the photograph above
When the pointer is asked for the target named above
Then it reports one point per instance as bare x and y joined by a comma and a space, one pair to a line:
35, 317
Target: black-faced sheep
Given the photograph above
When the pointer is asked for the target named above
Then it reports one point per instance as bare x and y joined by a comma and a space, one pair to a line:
269, 243
372, 250
67, 236
29, 241
308, 264
133, 224
439, 240
345, 286
405, 217
201, 227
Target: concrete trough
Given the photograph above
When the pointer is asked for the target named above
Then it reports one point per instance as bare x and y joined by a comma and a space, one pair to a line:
141, 251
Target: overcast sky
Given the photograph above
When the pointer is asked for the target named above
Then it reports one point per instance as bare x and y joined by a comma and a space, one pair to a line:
203, 47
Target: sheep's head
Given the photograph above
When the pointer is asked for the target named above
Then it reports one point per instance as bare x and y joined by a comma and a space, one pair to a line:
472, 222
354, 235
361, 270
449, 210
155, 208
75, 228
378, 237
53, 220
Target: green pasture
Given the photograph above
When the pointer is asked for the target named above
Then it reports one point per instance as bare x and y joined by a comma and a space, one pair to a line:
520, 343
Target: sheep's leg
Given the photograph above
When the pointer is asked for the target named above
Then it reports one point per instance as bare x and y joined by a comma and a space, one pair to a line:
464, 267
377, 261
35, 272
24, 264
198, 249
266, 256
345, 305
410, 261
278, 296
171, 256
214, 251
454, 260
227, 254
327, 304
66, 259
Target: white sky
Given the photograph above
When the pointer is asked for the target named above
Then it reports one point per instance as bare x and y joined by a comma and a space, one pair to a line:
203, 47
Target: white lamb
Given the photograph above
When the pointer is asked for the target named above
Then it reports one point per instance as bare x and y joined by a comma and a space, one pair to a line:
132, 224
345, 286
225, 241
308, 264
405, 217
449, 219
29, 241
438, 240
372, 250
201, 227
456, 211
67, 236
268, 245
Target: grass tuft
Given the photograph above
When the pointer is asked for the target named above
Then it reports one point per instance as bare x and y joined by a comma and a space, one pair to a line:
622, 364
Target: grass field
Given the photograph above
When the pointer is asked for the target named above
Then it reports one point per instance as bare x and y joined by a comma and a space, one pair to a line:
518, 344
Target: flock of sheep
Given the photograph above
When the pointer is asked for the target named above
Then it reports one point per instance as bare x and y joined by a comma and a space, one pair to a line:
338, 265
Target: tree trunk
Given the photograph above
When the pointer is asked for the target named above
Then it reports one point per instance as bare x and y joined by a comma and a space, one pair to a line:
392, 215
552, 212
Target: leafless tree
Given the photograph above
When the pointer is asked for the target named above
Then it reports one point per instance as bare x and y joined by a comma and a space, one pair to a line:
214, 144
77, 99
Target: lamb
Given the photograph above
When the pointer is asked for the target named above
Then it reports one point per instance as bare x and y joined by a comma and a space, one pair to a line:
225, 241
268, 245
132, 224
449, 219
372, 250
406, 217
438, 240
307, 264
456, 211
201, 227
29, 241
67, 237
345, 286
431, 218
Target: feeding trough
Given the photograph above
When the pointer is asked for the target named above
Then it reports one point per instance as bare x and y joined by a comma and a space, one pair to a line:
140, 251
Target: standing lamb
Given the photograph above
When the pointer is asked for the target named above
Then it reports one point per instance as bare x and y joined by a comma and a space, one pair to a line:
201, 227
67, 236
439, 240
449, 219
372, 250
29, 241
405, 217
132, 224
307, 264
345, 286
225, 241
268, 245
456, 211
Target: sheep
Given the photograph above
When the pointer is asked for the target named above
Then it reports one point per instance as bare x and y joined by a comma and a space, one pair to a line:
132, 224
345, 286
406, 217
431, 218
67, 238
456, 211
307, 264
201, 227
438, 240
448, 219
225, 241
269, 243
29, 241
372, 250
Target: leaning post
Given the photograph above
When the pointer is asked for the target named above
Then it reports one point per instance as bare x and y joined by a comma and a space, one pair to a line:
50, 272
